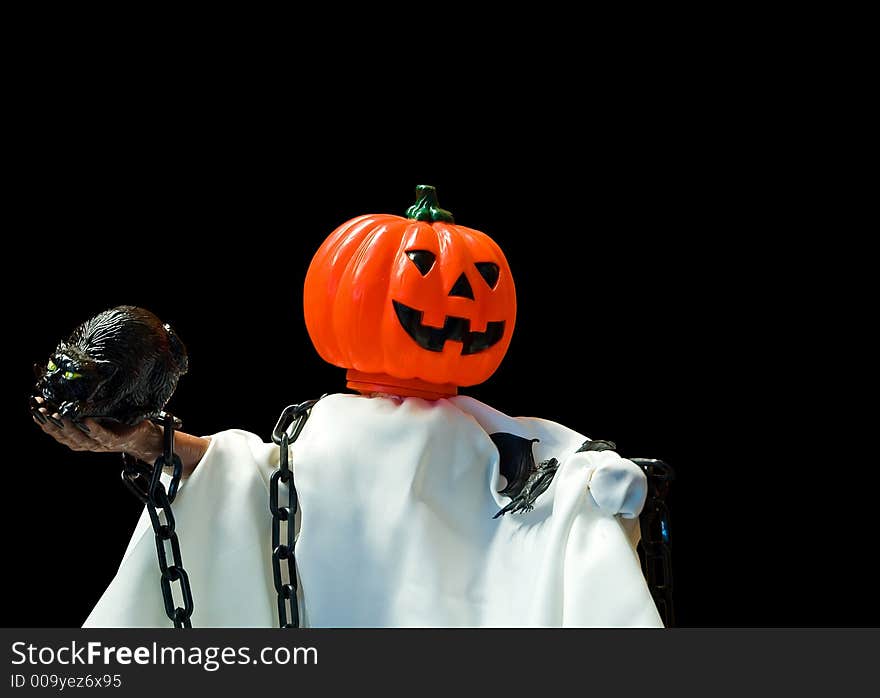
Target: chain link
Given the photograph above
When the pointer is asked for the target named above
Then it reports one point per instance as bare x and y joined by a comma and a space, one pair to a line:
144, 482
287, 430
654, 548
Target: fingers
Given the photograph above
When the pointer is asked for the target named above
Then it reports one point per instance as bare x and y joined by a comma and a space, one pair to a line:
63, 431
62, 436
142, 440
39, 411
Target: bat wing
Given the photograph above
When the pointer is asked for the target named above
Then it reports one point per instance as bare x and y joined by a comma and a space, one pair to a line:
516, 460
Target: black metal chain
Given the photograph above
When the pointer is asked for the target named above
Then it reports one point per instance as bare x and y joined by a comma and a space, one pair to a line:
145, 484
654, 549
287, 430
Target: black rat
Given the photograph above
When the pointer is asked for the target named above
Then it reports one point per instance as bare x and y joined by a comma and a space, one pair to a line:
122, 365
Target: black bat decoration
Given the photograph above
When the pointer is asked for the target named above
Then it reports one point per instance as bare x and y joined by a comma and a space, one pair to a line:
515, 460
525, 480
121, 365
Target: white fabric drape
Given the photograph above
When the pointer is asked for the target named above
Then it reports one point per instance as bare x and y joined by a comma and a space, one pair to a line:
396, 500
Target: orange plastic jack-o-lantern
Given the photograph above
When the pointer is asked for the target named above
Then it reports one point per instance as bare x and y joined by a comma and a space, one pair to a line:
410, 306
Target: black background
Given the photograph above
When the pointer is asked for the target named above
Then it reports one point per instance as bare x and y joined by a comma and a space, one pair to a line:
652, 312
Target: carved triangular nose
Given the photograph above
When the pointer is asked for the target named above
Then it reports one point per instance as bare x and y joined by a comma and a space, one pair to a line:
462, 288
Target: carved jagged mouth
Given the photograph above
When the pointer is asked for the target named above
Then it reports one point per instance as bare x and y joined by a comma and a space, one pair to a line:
456, 329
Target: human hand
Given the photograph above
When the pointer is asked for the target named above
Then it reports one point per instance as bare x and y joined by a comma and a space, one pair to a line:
143, 440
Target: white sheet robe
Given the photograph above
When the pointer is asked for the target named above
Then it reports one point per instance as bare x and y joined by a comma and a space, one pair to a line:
395, 529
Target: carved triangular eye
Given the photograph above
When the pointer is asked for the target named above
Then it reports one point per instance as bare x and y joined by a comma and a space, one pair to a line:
489, 271
423, 260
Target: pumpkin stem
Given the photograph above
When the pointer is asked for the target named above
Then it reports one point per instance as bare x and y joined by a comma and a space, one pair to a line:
427, 208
